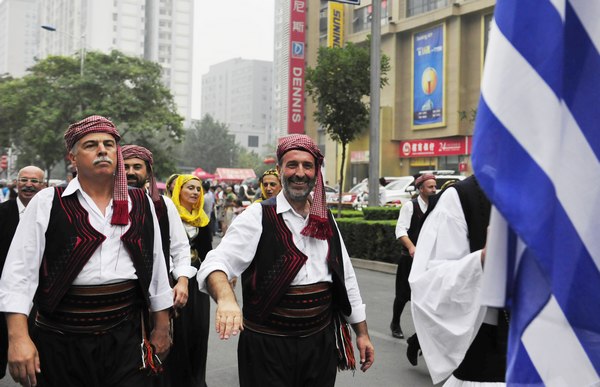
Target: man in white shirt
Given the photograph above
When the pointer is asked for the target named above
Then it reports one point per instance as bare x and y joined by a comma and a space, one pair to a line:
298, 283
29, 181
176, 247
91, 243
407, 232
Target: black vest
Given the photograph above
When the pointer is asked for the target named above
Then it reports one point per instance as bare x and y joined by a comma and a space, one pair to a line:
276, 263
165, 231
476, 208
71, 241
415, 224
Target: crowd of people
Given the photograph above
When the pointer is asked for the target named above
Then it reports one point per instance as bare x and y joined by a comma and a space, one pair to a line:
106, 282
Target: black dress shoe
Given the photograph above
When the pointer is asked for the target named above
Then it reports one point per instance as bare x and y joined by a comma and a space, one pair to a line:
412, 352
396, 331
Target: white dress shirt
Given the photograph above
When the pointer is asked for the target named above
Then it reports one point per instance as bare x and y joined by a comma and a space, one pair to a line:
110, 263
21, 207
446, 282
406, 213
237, 249
180, 245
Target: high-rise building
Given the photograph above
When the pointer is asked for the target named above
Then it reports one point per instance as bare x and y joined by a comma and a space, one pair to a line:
18, 35
158, 30
238, 92
281, 50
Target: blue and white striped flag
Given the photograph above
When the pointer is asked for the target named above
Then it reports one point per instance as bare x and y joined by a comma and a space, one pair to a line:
536, 154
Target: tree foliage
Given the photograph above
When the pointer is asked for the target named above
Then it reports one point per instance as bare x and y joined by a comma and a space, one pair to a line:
35, 110
338, 85
209, 145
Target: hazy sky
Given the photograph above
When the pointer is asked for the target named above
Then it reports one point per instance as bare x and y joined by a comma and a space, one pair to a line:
229, 29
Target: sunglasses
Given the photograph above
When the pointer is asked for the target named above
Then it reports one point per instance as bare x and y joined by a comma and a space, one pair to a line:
24, 180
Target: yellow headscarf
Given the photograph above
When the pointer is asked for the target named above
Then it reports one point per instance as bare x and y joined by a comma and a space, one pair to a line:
263, 192
197, 217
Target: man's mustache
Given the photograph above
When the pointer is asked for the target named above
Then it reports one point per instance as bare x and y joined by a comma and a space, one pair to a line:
103, 159
29, 189
295, 179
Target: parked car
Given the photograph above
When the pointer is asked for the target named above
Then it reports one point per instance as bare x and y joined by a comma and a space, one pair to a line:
360, 190
403, 189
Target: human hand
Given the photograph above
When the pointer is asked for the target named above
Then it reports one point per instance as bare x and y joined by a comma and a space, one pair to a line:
228, 320
160, 338
180, 292
23, 361
366, 350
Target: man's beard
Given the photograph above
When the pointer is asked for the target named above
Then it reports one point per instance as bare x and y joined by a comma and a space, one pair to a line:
297, 195
139, 183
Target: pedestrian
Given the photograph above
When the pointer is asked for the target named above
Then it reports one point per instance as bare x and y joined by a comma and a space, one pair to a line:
298, 284
209, 206
176, 248
270, 185
192, 326
103, 269
169, 185
461, 338
29, 181
407, 232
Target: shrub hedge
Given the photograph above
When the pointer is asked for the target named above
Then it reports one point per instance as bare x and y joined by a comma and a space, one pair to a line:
381, 213
370, 239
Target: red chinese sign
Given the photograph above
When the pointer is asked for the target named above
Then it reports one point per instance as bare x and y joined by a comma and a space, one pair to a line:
449, 146
297, 68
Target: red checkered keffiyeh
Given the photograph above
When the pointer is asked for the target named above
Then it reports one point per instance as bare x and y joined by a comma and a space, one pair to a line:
99, 124
318, 225
139, 152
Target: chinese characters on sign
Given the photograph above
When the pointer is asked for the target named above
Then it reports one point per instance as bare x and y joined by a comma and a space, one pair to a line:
436, 147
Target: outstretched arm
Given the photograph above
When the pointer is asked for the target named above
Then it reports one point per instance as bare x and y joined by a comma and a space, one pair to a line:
365, 347
228, 319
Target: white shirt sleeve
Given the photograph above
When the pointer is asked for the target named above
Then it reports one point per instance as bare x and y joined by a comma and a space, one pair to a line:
180, 245
237, 249
161, 294
20, 276
406, 213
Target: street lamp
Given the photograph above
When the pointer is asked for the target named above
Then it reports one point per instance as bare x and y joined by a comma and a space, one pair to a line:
81, 44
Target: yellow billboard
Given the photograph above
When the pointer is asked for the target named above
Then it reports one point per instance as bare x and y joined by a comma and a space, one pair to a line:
335, 25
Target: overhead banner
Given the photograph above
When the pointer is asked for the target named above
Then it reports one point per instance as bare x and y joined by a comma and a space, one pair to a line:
297, 68
335, 25
428, 80
450, 146
353, 2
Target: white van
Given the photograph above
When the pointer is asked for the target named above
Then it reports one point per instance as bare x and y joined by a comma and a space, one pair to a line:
403, 189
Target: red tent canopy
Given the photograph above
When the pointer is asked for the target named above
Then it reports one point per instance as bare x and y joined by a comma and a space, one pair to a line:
234, 174
202, 174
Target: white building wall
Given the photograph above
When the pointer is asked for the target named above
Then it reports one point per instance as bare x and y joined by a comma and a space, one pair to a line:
121, 25
238, 93
18, 36
281, 68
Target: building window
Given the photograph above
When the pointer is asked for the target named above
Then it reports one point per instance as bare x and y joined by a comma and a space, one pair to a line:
252, 141
416, 7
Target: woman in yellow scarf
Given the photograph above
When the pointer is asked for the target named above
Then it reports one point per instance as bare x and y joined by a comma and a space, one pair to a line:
187, 360
270, 185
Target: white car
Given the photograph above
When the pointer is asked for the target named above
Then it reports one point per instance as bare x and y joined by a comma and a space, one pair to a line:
403, 189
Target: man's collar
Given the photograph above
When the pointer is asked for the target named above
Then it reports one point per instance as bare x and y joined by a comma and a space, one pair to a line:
72, 187
20, 205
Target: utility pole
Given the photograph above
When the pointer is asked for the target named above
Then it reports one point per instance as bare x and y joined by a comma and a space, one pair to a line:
374, 137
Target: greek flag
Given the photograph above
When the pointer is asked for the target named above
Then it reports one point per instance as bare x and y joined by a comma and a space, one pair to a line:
536, 154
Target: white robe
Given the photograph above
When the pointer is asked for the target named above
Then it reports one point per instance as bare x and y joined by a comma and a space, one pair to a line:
446, 282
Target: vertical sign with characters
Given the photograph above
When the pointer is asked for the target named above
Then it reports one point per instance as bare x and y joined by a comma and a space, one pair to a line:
297, 68
428, 80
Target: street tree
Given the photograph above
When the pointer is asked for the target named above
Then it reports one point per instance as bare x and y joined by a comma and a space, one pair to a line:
209, 145
338, 85
35, 110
